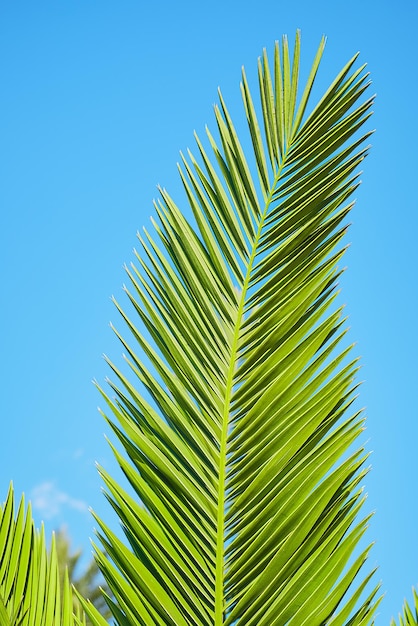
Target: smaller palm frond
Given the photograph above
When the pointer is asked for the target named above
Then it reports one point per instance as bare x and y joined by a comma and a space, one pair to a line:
30, 593
409, 615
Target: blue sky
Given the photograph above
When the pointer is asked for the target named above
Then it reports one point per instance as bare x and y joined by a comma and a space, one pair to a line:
97, 99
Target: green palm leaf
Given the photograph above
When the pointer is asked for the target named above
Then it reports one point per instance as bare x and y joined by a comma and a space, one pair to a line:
409, 616
29, 575
239, 446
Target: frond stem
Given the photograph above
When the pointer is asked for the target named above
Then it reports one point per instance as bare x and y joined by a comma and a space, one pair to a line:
220, 547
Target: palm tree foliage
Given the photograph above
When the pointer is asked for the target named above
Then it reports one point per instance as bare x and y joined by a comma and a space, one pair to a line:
409, 616
30, 592
88, 582
239, 445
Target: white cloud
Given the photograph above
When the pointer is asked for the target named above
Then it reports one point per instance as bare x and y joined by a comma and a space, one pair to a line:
49, 500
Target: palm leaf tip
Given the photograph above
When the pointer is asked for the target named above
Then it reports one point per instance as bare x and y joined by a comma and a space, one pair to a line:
240, 451
409, 615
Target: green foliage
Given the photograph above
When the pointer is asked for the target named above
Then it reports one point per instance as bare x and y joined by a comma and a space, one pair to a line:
30, 593
88, 583
409, 616
239, 436
244, 461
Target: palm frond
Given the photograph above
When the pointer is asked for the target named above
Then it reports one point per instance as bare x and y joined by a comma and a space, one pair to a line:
29, 576
239, 430
409, 616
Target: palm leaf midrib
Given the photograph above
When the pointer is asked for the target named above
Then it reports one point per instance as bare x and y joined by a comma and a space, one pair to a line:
230, 382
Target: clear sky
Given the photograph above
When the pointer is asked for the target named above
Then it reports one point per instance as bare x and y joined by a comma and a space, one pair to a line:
97, 98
